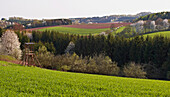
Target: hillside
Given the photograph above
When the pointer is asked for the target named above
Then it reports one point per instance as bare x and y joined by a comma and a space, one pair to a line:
74, 30
82, 29
19, 80
162, 33
155, 16
110, 18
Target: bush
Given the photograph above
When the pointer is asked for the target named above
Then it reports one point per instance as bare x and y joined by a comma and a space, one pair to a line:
105, 65
134, 70
45, 58
80, 65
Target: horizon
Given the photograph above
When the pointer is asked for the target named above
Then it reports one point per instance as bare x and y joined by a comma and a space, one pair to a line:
50, 9
25, 17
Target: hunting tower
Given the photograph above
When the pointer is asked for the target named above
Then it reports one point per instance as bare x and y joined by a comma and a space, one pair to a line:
29, 55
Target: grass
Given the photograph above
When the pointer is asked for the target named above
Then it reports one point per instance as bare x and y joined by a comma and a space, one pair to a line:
16, 80
6, 57
75, 30
163, 33
120, 29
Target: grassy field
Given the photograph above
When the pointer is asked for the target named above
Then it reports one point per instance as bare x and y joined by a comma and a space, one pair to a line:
163, 33
120, 29
75, 30
16, 80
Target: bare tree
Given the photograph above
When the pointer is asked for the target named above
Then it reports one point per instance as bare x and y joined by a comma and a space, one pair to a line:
11, 44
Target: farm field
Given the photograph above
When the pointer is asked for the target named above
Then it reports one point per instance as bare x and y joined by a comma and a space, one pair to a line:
75, 30
163, 33
96, 26
16, 80
82, 29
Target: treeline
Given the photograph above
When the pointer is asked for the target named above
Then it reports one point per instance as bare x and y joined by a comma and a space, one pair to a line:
153, 51
155, 16
33, 23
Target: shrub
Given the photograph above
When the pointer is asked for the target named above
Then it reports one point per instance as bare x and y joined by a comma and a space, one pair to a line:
134, 70
80, 65
45, 58
105, 65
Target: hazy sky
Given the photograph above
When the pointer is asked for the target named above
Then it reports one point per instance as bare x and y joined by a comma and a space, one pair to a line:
78, 8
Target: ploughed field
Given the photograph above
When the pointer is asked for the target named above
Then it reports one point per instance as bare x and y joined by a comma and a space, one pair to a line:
16, 80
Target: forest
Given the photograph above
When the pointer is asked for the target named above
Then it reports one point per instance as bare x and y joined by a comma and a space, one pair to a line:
155, 16
151, 53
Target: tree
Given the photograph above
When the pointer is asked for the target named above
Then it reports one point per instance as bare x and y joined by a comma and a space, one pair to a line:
70, 48
11, 44
152, 25
139, 26
159, 23
165, 23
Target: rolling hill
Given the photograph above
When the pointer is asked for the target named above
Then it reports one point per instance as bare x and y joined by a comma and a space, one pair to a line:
16, 80
83, 29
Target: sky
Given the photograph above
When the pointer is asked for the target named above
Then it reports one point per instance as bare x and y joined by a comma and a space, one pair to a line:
50, 9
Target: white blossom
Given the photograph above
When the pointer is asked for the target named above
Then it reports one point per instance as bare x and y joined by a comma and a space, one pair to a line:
152, 25
165, 23
139, 26
70, 47
10, 44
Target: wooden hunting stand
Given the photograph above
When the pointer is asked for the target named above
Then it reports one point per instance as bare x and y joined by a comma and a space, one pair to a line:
29, 55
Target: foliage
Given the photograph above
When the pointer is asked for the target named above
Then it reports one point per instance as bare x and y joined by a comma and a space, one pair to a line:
140, 49
18, 81
11, 44
155, 16
45, 58
134, 70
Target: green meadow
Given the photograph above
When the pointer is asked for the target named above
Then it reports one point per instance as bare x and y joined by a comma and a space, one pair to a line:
163, 33
17, 81
74, 30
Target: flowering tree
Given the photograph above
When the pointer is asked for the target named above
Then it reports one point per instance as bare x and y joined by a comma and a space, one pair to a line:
165, 23
70, 48
11, 44
152, 25
139, 26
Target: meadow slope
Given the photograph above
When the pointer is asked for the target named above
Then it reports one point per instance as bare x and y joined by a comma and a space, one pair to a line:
162, 33
16, 80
